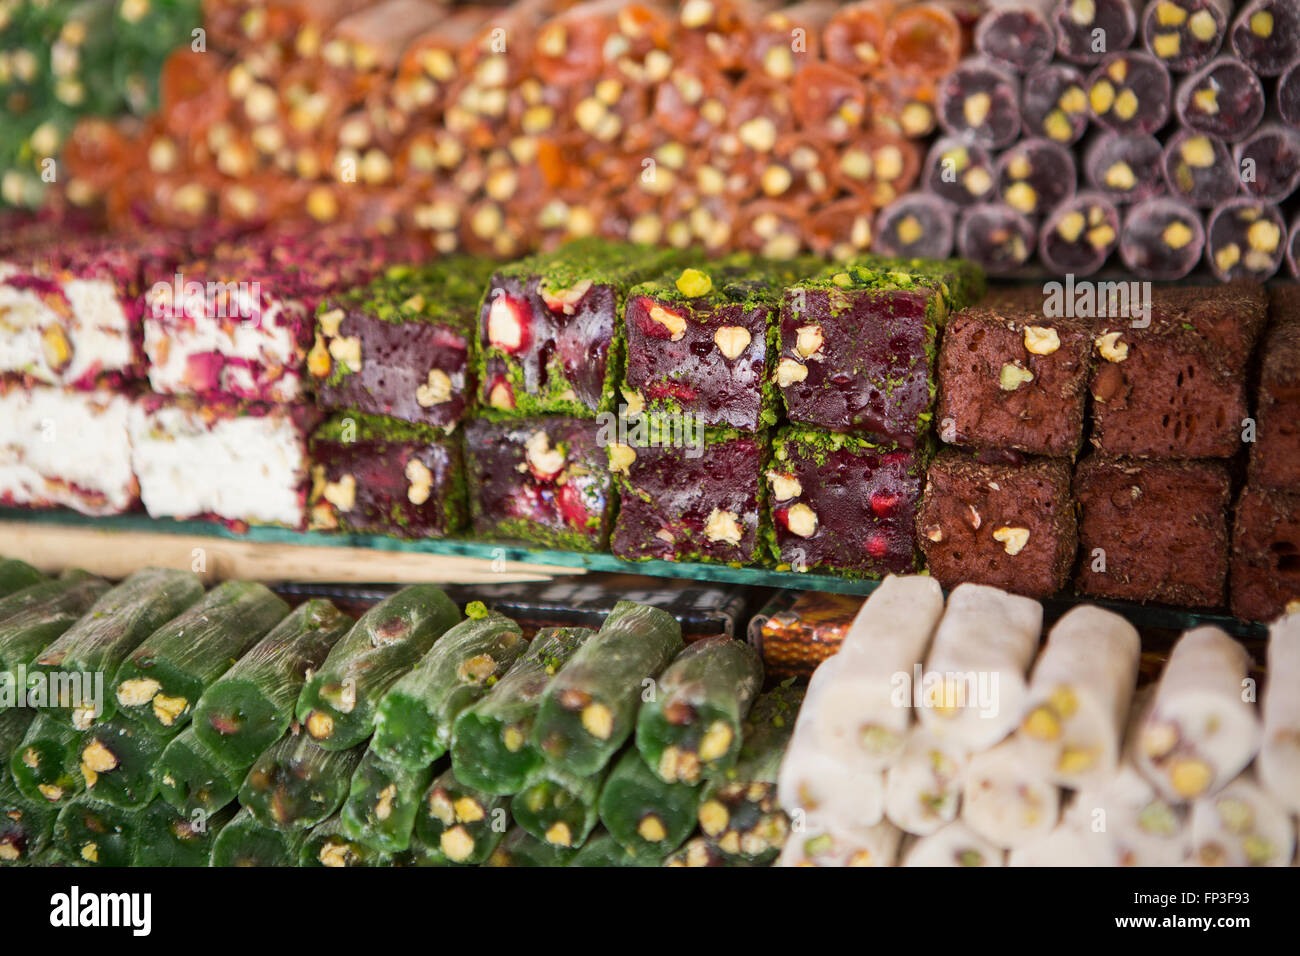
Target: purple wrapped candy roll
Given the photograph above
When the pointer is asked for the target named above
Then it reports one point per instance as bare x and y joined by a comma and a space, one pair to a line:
980, 100
1184, 34
1054, 103
1079, 235
995, 236
1130, 93
1266, 35
1198, 168
1017, 33
1244, 239
917, 226
1035, 175
1077, 23
959, 171
1162, 239
1293, 248
1223, 98
1288, 95
1268, 161
1127, 167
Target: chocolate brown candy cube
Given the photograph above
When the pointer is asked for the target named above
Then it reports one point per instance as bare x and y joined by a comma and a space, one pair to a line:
1007, 525
1011, 379
1265, 580
1275, 454
1153, 530
1176, 387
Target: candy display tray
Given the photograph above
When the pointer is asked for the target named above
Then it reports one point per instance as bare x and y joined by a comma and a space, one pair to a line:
503, 554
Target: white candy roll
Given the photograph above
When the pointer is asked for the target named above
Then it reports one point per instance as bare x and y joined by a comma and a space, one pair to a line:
953, 845
1242, 825
827, 846
923, 789
974, 684
863, 714
1199, 733
1007, 800
1066, 845
1079, 697
1127, 823
1279, 752
815, 787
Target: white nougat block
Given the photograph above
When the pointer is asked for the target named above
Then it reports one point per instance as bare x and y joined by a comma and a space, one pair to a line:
194, 461
66, 447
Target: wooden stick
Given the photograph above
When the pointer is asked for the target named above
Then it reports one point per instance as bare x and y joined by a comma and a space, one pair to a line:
115, 554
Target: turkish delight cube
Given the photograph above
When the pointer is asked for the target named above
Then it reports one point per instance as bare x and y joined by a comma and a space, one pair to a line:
1275, 454
698, 341
701, 500
858, 351
843, 503
401, 346
1265, 567
543, 480
550, 327
1011, 379
1176, 387
379, 475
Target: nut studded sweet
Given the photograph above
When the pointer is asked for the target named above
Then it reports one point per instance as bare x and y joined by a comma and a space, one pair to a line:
1153, 530
1176, 388
1265, 571
550, 327
381, 476
401, 345
842, 503
544, 480
1275, 455
700, 503
858, 347
71, 309
698, 341
238, 323
1011, 379
1010, 526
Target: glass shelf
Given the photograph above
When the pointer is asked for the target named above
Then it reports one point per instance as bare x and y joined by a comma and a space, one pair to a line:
1154, 616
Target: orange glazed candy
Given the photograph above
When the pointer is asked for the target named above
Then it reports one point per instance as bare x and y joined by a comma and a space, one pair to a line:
925, 38
854, 38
